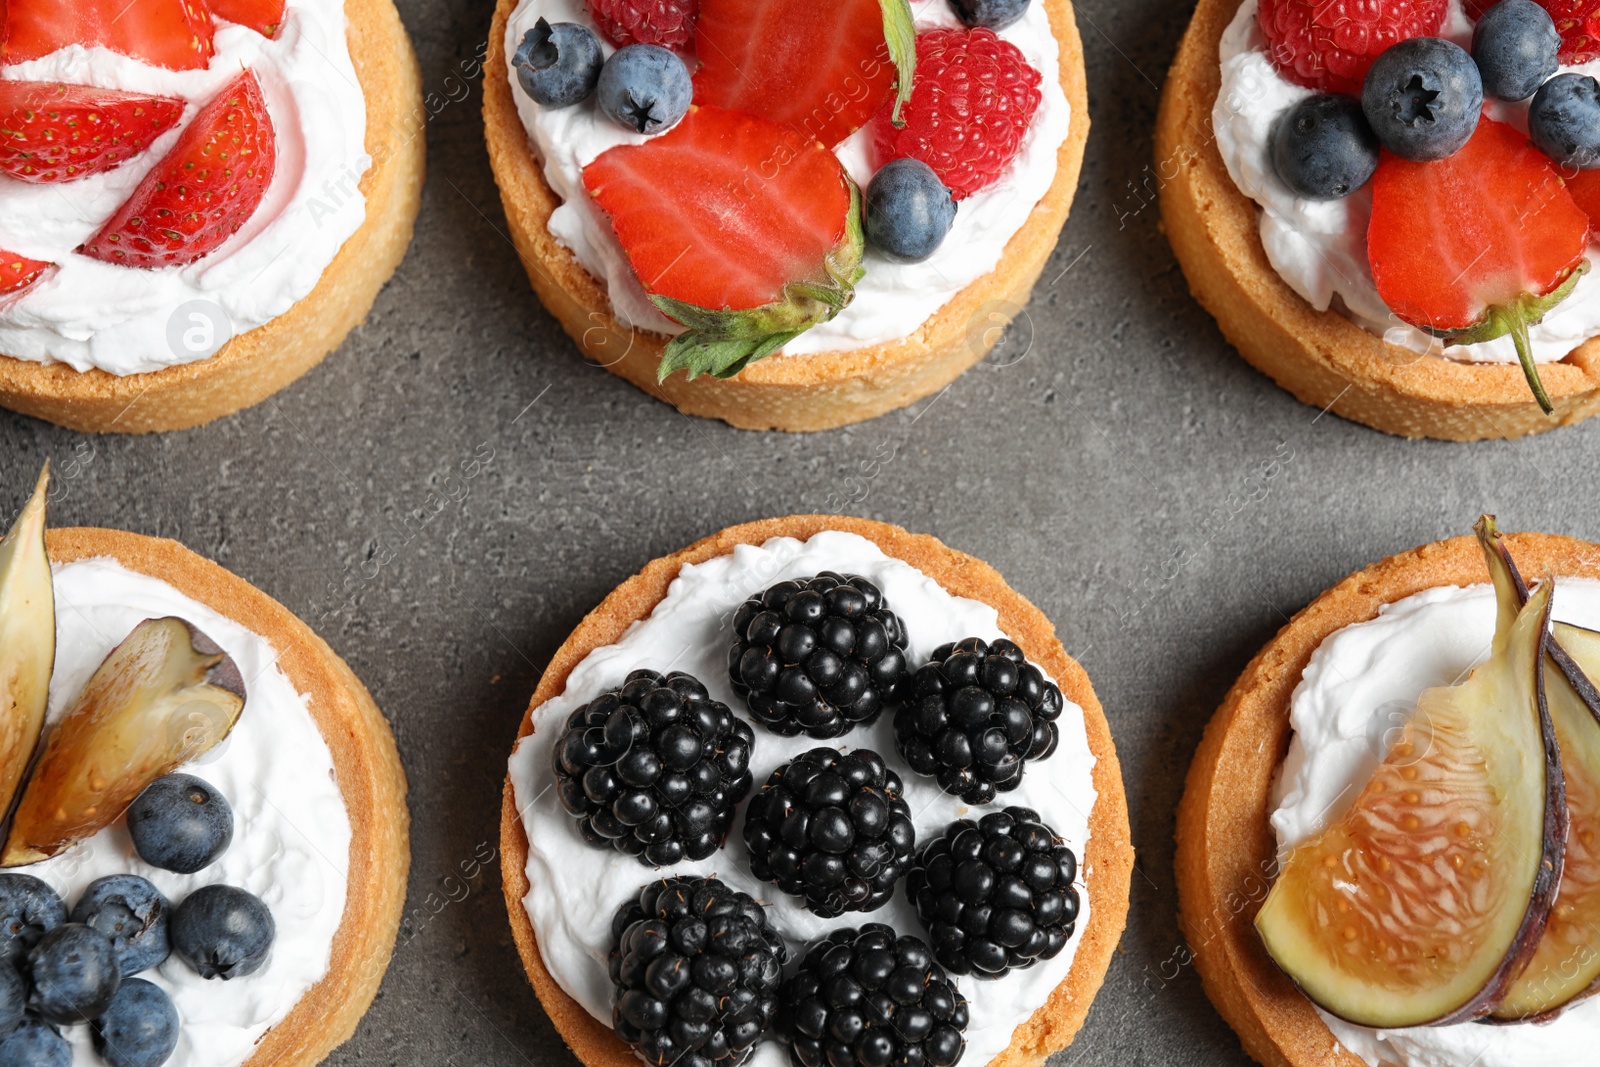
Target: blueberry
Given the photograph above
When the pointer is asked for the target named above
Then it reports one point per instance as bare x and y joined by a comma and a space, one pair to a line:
558, 65
75, 973
180, 823
645, 88
139, 1028
1323, 149
1515, 45
223, 932
13, 997
908, 211
1423, 97
1564, 120
133, 914
34, 1043
992, 14
29, 909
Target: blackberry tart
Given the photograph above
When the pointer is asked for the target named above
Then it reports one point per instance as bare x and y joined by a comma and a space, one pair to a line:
679, 614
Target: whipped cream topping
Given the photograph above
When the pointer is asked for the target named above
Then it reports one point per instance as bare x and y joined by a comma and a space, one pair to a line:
575, 889
291, 836
126, 320
1319, 247
893, 300
1359, 686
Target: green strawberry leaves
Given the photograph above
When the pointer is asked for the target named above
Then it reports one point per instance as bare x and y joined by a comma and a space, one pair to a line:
900, 34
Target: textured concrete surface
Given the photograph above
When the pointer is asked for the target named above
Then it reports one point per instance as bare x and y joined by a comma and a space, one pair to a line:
1167, 506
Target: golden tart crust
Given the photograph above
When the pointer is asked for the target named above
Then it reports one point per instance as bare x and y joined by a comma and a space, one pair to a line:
1226, 846
1323, 358
365, 762
799, 393
1107, 863
256, 364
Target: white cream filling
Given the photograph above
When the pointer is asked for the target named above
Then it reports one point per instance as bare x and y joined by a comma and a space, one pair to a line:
291, 840
1361, 684
1319, 247
894, 299
126, 320
575, 889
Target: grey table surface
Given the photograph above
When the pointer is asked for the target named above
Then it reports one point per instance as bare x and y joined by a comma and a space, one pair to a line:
1165, 504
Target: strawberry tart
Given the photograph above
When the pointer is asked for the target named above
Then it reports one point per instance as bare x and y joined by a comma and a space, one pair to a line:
783, 216
199, 199
1391, 208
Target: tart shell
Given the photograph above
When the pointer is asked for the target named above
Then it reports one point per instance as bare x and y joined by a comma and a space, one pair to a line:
1226, 857
365, 762
258, 363
1108, 859
1321, 357
820, 391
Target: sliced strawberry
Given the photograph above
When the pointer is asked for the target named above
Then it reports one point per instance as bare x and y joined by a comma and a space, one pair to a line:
822, 68
51, 132
1478, 245
1585, 189
739, 228
19, 272
175, 34
263, 16
202, 192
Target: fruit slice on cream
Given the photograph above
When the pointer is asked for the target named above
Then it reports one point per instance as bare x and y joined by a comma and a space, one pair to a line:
1424, 901
166, 695
27, 641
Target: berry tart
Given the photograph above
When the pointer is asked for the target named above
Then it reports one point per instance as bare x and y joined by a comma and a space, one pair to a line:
199, 199
793, 793
754, 212
206, 857
1390, 208
1391, 829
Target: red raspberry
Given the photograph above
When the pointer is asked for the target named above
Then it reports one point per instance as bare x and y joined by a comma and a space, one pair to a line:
971, 104
668, 23
1329, 44
1578, 22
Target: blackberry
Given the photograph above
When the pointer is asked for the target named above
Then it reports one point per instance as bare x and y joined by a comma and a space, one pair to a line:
974, 715
832, 828
866, 997
996, 895
655, 768
696, 967
817, 657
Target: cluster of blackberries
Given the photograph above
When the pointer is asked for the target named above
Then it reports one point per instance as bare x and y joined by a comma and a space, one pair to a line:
996, 895
817, 657
654, 768
832, 828
974, 715
696, 968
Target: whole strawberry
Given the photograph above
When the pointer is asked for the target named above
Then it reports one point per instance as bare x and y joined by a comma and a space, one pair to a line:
1578, 22
668, 23
1329, 44
971, 104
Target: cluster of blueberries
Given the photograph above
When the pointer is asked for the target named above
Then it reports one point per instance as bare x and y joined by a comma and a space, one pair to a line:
59, 969
1422, 100
656, 769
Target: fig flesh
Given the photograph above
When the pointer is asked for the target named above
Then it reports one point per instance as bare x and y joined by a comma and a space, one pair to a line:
1423, 903
27, 641
164, 696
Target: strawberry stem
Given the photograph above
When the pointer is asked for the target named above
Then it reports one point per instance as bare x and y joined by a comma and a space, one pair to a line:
900, 34
1517, 325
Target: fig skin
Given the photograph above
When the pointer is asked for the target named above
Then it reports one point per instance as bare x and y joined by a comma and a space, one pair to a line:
131, 725
27, 641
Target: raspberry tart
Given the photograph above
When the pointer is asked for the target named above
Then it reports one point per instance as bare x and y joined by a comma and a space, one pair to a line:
207, 857
199, 199
1388, 207
722, 775
1389, 829
753, 211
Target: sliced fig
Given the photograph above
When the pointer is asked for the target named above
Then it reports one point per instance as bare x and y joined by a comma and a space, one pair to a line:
27, 641
1566, 965
1423, 902
164, 696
